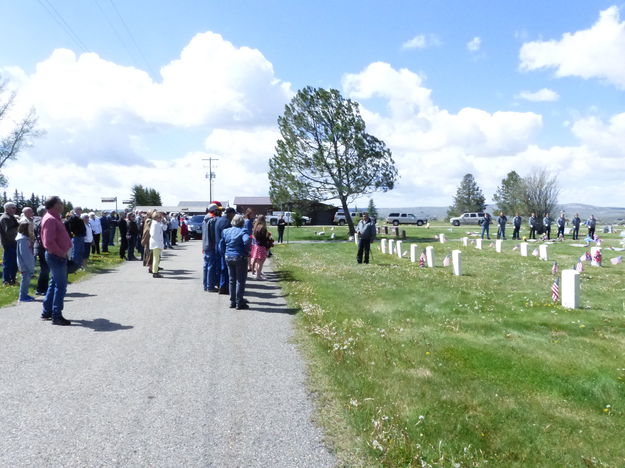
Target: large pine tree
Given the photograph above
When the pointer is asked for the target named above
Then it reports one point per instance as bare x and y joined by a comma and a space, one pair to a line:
469, 197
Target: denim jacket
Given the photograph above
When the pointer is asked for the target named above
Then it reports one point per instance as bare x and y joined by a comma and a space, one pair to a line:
235, 242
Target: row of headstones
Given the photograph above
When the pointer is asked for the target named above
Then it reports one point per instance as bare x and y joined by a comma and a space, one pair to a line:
570, 291
394, 230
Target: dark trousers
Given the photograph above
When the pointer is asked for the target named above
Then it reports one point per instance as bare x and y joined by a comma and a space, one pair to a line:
486, 230
106, 233
44, 272
9, 263
112, 237
174, 236
237, 270
123, 246
591, 232
516, 232
501, 232
95, 245
560, 231
532, 233
548, 232
132, 243
87, 250
576, 233
280, 235
364, 247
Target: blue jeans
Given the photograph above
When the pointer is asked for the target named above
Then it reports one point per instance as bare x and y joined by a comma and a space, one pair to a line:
53, 302
237, 269
25, 283
210, 269
222, 270
486, 230
78, 251
9, 263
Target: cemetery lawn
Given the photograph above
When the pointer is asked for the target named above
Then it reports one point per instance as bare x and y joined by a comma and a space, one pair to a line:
415, 367
97, 263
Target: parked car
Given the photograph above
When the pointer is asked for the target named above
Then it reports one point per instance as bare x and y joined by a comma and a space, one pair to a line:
467, 218
339, 217
405, 218
273, 218
195, 226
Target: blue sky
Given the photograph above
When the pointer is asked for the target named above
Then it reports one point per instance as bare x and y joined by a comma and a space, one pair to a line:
318, 43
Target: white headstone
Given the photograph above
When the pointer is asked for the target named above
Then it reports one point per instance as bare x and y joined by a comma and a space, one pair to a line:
356, 238
441, 238
391, 246
524, 246
399, 249
542, 252
478, 244
465, 241
498, 244
383, 245
456, 258
593, 252
414, 256
429, 255
570, 289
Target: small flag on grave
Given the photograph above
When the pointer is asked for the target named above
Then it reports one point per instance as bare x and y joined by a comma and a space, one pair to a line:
598, 257
617, 260
554, 268
579, 267
535, 252
588, 257
446, 261
422, 260
555, 290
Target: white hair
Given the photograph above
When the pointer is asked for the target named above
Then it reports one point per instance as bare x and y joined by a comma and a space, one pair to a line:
238, 220
9, 205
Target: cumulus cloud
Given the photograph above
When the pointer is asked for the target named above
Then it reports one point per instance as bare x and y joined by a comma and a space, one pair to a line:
474, 44
421, 41
597, 52
542, 95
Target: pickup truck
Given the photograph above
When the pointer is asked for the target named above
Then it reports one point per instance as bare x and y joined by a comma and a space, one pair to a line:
272, 219
405, 218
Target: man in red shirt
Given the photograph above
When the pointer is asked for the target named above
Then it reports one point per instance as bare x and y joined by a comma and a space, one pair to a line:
57, 243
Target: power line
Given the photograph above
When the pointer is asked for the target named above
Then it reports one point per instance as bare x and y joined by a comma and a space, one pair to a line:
54, 13
132, 38
116, 32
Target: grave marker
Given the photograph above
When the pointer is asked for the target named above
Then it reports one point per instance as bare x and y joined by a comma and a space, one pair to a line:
356, 238
383, 245
456, 258
498, 244
414, 257
542, 252
524, 246
465, 241
593, 255
391, 246
399, 249
478, 244
441, 238
429, 255
570, 289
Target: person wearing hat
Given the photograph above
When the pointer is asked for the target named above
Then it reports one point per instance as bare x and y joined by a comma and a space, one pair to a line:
222, 222
208, 249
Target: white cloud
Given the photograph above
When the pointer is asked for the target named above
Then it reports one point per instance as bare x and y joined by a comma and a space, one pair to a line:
542, 95
598, 52
421, 41
474, 44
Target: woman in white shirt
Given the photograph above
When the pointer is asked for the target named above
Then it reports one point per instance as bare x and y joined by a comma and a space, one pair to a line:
156, 242
96, 227
88, 238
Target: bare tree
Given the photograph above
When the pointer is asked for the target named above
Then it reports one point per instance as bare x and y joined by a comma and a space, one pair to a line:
540, 192
19, 132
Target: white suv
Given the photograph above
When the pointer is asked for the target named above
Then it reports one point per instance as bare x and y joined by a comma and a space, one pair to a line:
404, 218
467, 218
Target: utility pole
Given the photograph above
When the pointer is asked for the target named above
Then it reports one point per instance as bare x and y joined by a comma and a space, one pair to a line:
210, 176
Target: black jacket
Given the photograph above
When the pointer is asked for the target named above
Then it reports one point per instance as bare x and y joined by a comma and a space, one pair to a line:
76, 226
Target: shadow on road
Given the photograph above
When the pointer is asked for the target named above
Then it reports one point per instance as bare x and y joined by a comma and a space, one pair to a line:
79, 294
272, 310
282, 275
101, 325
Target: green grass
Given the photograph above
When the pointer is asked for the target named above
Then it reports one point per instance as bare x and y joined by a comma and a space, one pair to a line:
416, 367
97, 263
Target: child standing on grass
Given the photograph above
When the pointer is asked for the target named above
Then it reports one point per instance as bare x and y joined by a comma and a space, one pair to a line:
25, 259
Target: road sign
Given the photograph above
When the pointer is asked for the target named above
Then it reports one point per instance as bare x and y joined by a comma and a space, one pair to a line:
109, 200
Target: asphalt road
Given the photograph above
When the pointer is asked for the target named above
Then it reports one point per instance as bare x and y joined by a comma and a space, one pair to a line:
156, 372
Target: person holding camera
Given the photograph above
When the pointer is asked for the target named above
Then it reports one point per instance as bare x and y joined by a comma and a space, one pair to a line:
366, 233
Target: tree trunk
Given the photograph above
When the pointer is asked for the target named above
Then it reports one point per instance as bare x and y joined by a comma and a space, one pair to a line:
348, 216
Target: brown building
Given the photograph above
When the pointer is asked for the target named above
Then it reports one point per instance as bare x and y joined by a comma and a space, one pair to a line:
260, 205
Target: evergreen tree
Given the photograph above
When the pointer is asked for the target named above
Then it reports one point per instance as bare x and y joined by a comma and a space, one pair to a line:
509, 195
373, 211
144, 196
469, 197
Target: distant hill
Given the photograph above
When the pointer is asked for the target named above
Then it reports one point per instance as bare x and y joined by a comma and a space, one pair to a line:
605, 214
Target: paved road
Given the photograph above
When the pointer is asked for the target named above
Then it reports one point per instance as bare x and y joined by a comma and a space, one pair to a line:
155, 372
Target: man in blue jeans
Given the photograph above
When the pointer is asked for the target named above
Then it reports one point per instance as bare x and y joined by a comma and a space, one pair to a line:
223, 222
57, 243
486, 226
8, 232
78, 231
208, 249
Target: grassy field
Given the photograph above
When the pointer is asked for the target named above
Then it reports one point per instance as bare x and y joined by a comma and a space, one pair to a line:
10, 294
416, 367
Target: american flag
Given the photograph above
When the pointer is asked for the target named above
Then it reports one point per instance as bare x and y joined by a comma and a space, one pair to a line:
598, 257
582, 258
446, 261
617, 260
422, 260
579, 267
535, 252
555, 290
588, 257
554, 268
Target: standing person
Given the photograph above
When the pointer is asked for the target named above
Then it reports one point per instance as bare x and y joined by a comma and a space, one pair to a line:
561, 222
501, 230
174, 224
576, 221
486, 226
547, 221
157, 243
40, 254
281, 227
133, 234
8, 233
235, 242
211, 264
184, 231
96, 229
25, 255
222, 222
249, 220
78, 232
366, 232
88, 239
57, 243
516, 222
260, 246
533, 223
114, 219
105, 223
122, 225
592, 224
145, 240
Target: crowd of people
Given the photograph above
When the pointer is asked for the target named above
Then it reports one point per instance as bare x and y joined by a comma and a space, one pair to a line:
536, 225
